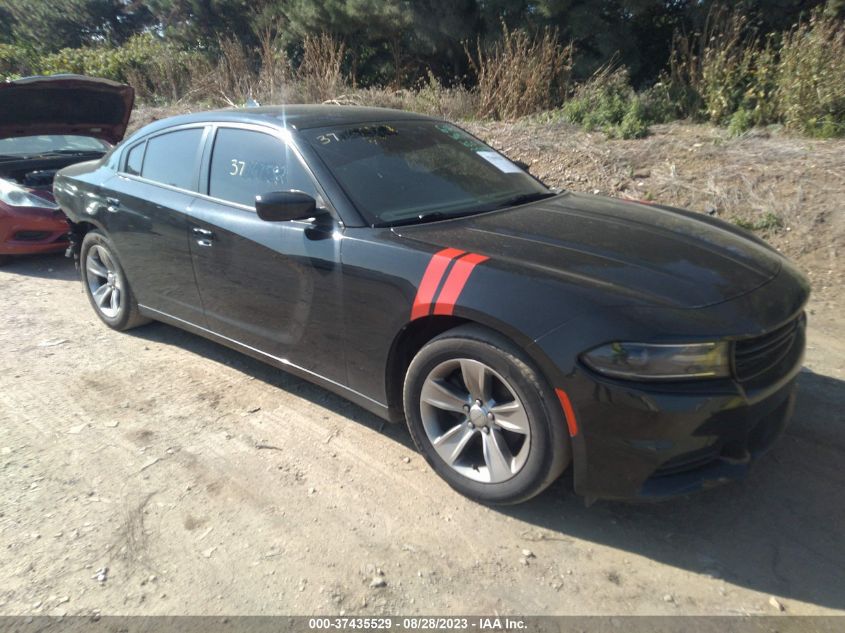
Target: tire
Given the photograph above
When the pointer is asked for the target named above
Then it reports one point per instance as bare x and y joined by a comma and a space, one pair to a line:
503, 451
106, 285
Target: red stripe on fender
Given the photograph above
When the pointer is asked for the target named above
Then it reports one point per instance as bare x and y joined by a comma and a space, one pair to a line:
568, 412
455, 283
431, 279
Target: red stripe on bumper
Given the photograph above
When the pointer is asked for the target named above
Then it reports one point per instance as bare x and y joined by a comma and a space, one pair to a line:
568, 412
431, 279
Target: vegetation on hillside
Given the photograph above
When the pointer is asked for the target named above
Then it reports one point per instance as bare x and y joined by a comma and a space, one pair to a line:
611, 65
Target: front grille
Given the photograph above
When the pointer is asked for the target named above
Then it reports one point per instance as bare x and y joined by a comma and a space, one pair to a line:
31, 236
753, 357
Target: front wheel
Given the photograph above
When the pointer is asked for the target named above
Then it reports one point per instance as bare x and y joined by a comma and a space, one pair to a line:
106, 285
484, 418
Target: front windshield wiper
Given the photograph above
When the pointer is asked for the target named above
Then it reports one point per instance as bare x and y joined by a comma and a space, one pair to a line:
422, 218
436, 216
525, 198
430, 216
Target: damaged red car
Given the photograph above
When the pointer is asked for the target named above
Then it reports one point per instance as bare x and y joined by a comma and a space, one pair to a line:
47, 123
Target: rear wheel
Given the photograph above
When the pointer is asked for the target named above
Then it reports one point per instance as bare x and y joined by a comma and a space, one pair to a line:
106, 284
484, 418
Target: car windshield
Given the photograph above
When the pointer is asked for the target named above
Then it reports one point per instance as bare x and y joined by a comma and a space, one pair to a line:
50, 143
416, 171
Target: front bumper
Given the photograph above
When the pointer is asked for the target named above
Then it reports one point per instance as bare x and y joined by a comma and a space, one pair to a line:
653, 441
32, 231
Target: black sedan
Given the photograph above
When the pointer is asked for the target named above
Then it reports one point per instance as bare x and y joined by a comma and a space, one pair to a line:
399, 261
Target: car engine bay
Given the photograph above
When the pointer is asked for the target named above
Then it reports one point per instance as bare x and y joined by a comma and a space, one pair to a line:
38, 172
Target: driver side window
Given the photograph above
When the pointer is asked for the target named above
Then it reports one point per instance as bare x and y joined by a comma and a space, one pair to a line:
245, 163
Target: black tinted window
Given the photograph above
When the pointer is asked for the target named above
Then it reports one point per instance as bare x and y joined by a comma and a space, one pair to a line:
245, 164
172, 158
134, 160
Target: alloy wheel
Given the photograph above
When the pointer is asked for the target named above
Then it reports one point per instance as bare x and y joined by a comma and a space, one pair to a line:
104, 281
475, 421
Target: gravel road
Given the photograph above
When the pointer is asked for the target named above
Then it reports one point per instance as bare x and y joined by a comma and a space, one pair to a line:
155, 472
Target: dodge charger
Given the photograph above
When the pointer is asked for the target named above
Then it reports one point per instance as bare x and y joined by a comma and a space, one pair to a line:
400, 262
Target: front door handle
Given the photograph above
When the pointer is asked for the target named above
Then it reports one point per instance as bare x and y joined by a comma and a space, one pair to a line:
206, 236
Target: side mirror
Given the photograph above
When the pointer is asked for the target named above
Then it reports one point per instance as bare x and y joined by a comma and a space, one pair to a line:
284, 206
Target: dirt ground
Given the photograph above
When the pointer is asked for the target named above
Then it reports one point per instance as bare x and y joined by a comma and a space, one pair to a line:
154, 472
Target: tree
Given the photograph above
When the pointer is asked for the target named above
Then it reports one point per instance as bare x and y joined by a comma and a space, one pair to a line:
439, 32
49, 26
6, 25
203, 23
376, 31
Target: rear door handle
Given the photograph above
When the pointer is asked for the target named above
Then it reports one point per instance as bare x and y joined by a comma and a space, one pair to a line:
113, 204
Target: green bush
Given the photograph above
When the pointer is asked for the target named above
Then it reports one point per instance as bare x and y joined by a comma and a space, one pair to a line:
607, 102
15, 61
770, 222
741, 121
634, 124
158, 70
659, 104
97, 62
760, 98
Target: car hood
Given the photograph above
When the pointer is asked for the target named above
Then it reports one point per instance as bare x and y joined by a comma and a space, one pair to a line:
65, 104
636, 252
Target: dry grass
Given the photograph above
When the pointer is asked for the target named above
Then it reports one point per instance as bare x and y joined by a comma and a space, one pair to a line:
430, 97
168, 78
710, 70
320, 74
267, 75
811, 77
728, 74
234, 79
521, 74
276, 72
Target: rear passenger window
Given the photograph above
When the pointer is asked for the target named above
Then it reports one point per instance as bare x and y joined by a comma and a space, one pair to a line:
134, 159
245, 164
172, 158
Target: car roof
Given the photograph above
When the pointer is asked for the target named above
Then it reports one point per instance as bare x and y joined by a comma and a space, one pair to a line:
297, 117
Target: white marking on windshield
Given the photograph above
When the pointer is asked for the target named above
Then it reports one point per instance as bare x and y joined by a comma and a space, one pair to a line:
499, 162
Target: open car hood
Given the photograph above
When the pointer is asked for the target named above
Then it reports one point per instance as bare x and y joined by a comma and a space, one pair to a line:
65, 104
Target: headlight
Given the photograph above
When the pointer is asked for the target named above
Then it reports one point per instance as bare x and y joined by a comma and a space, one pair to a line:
639, 361
16, 196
